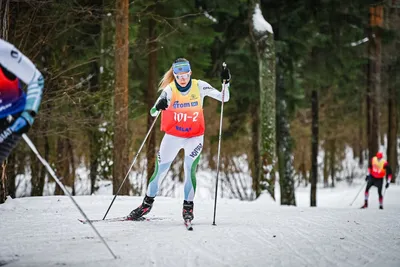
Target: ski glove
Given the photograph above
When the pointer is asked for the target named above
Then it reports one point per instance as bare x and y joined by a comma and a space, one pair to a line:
387, 185
225, 75
23, 123
367, 178
162, 104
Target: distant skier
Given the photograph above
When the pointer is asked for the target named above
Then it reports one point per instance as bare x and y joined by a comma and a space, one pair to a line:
378, 168
17, 109
182, 120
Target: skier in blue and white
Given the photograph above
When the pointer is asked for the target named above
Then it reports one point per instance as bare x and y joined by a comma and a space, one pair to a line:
17, 108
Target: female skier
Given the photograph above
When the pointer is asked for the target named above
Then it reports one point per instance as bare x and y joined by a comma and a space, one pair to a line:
182, 120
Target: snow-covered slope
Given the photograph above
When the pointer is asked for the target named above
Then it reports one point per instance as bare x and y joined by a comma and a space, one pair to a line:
45, 231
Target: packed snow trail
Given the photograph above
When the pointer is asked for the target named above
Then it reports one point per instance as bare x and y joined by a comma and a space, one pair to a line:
44, 231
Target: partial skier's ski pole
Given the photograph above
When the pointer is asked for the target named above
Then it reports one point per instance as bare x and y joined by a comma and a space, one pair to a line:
133, 163
53, 174
219, 144
359, 191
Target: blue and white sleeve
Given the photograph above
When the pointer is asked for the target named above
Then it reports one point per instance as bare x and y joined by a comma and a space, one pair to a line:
17, 63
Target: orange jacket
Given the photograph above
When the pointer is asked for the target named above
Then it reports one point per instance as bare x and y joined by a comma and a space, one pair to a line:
378, 168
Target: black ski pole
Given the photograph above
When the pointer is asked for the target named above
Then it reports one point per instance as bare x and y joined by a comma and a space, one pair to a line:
133, 163
359, 191
53, 174
219, 144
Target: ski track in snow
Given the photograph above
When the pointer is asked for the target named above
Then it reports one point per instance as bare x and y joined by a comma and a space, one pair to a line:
44, 231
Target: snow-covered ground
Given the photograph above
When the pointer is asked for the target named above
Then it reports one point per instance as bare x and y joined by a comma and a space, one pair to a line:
45, 231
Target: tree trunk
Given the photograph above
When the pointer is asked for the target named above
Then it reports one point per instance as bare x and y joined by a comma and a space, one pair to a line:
121, 137
93, 109
93, 131
361, 135
4, 25
150, 97
12, 172
284, 144
59, 168
368, 99
314, 148
326, 167
303, 168
374, 82
3, 183
106, 69
255, 145
38, 171
65, 165
392, 126
94, 159
8, 171
4, 18
332, 160
62, 165
72, 168
263, 40
392, 99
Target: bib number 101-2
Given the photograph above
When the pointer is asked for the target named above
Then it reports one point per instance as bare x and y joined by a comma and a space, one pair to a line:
184, 117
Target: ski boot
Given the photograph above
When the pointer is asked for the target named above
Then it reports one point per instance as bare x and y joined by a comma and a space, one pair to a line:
187, 212
142, 210
365, 205
381, 203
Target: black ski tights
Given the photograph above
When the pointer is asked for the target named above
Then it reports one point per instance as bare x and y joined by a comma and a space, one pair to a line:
8, 144
378, 182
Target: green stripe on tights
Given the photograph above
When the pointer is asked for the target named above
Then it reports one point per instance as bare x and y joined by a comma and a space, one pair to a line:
193, 172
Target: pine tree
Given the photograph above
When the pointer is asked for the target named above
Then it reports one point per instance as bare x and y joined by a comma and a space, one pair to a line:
265, 134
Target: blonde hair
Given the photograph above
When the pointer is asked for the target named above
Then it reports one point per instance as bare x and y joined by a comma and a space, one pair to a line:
166, 79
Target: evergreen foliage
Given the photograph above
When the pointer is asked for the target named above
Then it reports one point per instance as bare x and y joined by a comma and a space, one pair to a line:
320, 45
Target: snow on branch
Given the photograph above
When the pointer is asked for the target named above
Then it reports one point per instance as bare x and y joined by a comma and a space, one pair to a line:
360, 42
260, 24
210, 17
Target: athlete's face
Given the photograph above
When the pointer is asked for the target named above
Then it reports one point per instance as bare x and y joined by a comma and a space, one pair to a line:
183, 78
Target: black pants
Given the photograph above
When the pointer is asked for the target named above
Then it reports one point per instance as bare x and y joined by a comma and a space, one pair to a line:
378, 182
9, 142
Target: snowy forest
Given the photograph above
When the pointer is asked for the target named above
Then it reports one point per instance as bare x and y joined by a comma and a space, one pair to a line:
313, 81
